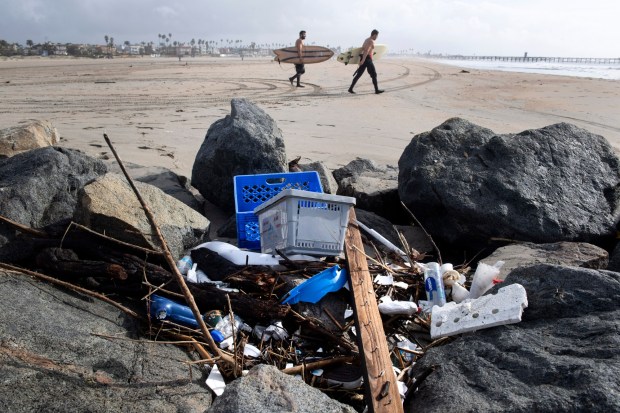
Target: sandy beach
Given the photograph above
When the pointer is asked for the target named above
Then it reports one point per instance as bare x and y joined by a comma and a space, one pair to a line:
157, 111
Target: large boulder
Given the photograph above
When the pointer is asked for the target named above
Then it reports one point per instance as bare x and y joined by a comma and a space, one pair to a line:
374, 187
62, 352
177, 186
328, 183
614, 259
40, 188
38, 134
563, 356
266, 389
570, 254
109, 205
467, 184
246, 142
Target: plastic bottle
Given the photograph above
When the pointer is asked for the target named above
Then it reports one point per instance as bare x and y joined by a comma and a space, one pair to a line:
185, 264
225, 327
433, 284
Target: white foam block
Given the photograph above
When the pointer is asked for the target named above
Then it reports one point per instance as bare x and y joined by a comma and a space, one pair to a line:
505, 307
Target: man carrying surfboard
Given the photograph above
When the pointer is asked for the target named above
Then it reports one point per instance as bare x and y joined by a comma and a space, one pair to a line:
299, 68
366, 63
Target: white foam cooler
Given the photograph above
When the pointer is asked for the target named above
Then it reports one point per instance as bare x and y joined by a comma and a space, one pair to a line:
304, 222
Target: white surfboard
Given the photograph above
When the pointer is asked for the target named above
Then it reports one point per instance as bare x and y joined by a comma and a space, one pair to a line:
353, 56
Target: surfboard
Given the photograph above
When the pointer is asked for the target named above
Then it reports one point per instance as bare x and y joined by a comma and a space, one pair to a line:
311, 54
353, 56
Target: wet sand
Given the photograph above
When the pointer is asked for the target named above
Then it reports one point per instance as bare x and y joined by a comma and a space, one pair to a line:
157, 111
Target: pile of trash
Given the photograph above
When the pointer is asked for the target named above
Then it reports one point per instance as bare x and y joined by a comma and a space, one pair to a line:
421, 304
351, 318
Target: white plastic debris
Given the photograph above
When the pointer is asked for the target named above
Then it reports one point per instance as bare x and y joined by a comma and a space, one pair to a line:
401, 284
459, 293
227, 342
384, 241
251, 351
201, 277
402, 389
215, 381
384, 279
191, 274
390, 307
238, 256
483, 278
505, 307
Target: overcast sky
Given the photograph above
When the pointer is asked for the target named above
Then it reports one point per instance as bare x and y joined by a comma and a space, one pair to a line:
471, 27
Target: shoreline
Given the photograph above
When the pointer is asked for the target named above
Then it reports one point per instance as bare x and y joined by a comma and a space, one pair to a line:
157, 111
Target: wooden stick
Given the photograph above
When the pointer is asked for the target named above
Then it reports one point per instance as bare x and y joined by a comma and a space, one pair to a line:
318, 364
69, 286
23, 228
114, 240
189, 298
379, 377
425, 233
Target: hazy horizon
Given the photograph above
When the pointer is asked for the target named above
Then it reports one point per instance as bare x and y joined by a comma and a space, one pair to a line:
568, 28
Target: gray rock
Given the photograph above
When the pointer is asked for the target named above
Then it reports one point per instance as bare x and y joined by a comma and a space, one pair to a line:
54, 358
246, 142
614, 259
563, 356
39, 188
109, 205
384, 227
375, 187
266, 389
467, 184
570, 254
38, 134
329, 184
177, 186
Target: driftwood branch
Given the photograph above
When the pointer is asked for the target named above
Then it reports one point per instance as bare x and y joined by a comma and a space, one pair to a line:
69, 286
319, 364
23, 228
425, 232
114, 240
228, 360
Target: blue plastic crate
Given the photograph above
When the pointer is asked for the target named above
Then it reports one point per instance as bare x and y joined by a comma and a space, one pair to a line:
252, 190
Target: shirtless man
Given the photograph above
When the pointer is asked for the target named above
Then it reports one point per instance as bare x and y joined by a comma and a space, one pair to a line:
366, 63
299, 68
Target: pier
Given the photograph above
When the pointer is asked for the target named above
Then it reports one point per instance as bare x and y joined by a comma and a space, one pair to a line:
527, 59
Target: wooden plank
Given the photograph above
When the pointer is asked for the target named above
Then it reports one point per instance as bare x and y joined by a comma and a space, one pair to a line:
379, 379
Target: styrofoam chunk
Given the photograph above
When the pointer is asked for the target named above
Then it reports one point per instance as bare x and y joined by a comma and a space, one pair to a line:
505, 307
215, 381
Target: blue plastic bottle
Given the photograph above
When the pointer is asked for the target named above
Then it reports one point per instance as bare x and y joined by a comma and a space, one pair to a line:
164, 309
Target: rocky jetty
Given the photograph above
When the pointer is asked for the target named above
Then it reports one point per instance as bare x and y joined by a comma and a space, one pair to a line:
544, 202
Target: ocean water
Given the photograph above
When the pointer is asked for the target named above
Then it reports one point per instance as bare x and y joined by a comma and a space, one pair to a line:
597, 71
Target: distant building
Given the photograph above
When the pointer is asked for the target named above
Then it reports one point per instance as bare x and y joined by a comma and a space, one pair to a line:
60, 50
184, 50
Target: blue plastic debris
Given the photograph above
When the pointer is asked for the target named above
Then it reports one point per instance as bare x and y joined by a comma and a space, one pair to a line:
315, 288
164, 309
